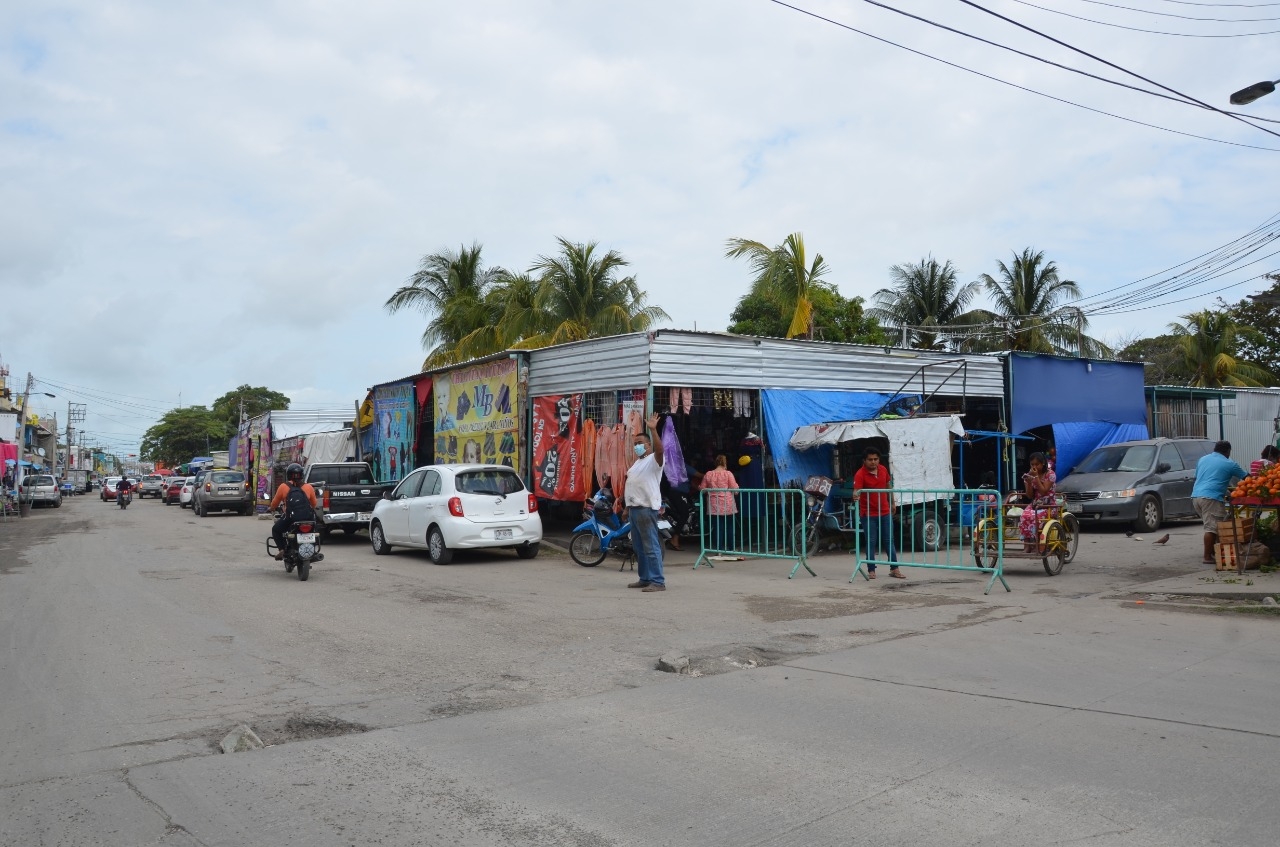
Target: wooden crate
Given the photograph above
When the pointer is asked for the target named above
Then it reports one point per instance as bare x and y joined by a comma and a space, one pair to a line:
1226, 556
1235, 530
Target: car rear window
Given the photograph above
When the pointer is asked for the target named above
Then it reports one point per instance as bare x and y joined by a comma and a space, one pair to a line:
488, 482
42, 480
227, 476
342, 475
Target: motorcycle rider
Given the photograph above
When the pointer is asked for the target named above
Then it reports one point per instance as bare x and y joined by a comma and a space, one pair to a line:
295, 506
123, 488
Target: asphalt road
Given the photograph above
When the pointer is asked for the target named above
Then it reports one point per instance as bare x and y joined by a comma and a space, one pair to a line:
501, 701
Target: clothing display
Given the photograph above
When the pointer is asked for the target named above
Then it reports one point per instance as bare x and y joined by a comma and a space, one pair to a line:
673, 457
588, 453
682, 399
741, 403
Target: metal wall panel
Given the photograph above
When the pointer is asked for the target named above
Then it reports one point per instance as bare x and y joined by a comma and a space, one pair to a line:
600, 364
731, 361
1249, 423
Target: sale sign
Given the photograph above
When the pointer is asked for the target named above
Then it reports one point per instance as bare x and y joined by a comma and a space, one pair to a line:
557, 447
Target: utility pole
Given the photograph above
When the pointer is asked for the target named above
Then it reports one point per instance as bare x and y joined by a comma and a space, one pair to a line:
22, 430
75, 414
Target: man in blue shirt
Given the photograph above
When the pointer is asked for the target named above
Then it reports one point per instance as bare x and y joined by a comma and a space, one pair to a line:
1215, 476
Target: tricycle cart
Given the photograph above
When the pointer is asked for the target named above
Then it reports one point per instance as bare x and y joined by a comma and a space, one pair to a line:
1057, 534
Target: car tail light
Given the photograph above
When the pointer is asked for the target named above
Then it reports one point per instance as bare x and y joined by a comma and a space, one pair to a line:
533, 504
326, 499
455, 507
305, 527
208, 486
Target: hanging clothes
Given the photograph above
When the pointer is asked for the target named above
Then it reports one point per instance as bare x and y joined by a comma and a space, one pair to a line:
604, 455
681, 398
672, 455
741, 403
588, 456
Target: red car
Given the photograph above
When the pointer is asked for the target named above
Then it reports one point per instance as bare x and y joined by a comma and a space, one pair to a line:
172, 489
109, 488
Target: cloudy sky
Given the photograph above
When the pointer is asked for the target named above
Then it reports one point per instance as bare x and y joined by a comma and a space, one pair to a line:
203, 194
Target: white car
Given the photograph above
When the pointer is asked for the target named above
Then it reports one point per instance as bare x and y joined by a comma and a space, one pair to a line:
443, 508
188, 490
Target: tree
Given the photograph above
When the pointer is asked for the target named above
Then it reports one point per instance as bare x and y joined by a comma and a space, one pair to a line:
1262, 313
256, 400
578, 295
1162, 356
450, 288
785, 274
182, 434
1208, 342
926, 300
834, 317
1029, 312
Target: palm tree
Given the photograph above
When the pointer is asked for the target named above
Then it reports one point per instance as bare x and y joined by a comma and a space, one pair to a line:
578, 294
783, 273
451, 288
1028, 309
1207, 341
925, 301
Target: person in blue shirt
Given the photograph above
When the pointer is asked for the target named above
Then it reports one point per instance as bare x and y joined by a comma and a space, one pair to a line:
1216, 474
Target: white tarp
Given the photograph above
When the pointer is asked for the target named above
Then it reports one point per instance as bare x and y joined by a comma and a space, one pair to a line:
919, 448
328, 447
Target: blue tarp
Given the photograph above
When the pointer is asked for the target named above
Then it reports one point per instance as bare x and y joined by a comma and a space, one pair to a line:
1050, 390
786, 410
1074, 441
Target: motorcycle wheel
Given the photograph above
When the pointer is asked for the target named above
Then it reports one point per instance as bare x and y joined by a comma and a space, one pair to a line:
304, 570
585, 549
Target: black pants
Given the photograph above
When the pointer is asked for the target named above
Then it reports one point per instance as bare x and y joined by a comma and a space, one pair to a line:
278, 529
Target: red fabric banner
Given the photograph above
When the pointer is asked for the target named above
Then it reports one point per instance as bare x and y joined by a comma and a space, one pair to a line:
557, 448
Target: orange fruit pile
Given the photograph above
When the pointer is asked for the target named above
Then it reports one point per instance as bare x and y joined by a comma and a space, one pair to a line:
1265, 485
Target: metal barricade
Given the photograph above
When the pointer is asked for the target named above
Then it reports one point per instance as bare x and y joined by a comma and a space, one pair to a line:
763, 526
927, 531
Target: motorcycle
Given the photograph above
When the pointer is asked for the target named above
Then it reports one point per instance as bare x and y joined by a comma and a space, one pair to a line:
602, 533
124, 498
302, 548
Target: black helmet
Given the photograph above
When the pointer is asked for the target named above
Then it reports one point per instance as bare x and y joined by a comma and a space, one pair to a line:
293, 472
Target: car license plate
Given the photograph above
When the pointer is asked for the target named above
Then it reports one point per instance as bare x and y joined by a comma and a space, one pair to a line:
502, 533
364, 516
1075, 507
306, 538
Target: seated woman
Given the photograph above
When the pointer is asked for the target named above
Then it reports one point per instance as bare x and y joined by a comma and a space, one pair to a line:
1039, 492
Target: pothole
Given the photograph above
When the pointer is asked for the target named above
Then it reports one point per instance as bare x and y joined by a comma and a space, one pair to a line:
296, 727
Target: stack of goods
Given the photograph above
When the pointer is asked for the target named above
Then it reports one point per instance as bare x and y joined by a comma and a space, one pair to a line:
1232, 533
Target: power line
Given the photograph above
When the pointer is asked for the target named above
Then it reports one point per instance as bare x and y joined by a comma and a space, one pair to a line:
1154, 31
959, 67
1189, 17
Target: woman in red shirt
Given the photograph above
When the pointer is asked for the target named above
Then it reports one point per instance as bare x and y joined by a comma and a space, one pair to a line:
876, 510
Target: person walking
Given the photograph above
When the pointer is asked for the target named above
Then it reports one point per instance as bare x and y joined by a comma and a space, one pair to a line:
877, 510
722, 507
643, 495
1215, 476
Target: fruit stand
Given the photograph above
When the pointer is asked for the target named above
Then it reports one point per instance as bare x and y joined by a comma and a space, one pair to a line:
1248, 504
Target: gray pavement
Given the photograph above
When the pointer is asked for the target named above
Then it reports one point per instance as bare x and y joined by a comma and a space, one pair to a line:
516, 703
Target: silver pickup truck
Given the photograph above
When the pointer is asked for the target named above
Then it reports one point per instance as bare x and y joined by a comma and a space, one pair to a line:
347, 494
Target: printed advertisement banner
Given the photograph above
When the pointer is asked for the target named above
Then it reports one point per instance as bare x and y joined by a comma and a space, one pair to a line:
393, 431
557, 447
476, 415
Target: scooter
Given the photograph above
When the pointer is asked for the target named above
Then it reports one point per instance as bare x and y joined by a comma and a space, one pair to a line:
302, 548
602, 532
124, 498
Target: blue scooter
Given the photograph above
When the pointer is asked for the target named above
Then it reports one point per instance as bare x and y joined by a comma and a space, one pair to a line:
600, 533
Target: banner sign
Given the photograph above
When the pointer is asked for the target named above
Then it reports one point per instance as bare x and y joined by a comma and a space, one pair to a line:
476, 415
557, 447
393, 431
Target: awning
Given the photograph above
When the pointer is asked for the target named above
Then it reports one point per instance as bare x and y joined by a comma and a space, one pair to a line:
829, 434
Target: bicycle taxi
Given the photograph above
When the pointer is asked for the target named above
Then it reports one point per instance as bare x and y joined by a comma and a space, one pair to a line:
1057, 533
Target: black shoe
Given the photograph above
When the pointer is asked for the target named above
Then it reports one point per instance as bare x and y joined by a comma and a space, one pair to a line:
640, 584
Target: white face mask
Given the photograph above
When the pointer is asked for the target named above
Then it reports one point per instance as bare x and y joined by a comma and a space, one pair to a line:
639, 448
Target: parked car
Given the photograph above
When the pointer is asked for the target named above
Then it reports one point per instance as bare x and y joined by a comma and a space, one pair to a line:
108, 491
443, 508
67, 488
152, 485
347, 494
1139, 482
42, 489
222, 490
188, 490
172, 489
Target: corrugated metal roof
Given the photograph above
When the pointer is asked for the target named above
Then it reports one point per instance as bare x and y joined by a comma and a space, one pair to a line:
597, 364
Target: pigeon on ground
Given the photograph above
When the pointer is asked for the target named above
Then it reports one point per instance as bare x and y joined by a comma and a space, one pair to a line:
1128, 533
1162, 539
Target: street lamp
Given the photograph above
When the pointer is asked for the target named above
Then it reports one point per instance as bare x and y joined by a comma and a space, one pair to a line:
1245, 96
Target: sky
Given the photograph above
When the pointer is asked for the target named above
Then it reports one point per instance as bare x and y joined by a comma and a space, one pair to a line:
199, 195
